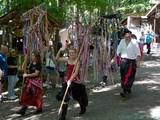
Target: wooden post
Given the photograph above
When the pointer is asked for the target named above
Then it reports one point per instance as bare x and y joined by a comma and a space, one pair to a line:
155, 22
3, 35
128, 21
154, 25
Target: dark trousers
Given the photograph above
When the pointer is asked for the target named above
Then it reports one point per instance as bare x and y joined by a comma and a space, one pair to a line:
148, 47
77, 91
127, 71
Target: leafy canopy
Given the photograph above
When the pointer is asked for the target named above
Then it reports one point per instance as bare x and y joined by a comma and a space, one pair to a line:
59, 11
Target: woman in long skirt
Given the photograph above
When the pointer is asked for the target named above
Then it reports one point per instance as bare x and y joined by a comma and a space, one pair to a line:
32, 91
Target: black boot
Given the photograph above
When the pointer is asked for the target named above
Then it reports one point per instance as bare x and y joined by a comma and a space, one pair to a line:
22, 110
39, 111
83, 110
124, 93
129, 91
104, 78
64, 112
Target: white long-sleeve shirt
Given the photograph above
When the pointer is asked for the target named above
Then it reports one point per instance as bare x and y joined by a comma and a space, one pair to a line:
130, 51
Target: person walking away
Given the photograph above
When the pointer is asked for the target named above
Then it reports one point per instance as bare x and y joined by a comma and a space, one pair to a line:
129, 52
12, 74
141, 45
148, 42
76, 88
3, 67
33, 90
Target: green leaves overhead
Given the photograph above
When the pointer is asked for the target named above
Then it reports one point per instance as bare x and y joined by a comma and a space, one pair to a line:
134, 7
59, 12
23, 5
55, 12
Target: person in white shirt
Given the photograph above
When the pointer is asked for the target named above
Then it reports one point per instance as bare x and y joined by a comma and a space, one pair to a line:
128, 51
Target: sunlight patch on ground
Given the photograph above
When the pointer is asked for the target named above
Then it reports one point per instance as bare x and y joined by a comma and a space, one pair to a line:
5, 93
151, 64
15, 108
34, 117
46, 104
12, 116
155, 113
155, 74
11, 101
53, 111
76, 105
107, 88
146, 82
77, 118
154, 88
156, 55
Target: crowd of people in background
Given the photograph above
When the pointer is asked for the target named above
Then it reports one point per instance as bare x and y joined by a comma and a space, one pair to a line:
145, 39
54, 71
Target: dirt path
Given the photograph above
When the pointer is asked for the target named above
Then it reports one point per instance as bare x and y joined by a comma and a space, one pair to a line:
105, 104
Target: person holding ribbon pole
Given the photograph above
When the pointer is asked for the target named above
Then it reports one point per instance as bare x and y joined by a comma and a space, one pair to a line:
32, 91
72, 83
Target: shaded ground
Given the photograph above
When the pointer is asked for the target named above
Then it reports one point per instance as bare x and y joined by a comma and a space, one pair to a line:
105, 104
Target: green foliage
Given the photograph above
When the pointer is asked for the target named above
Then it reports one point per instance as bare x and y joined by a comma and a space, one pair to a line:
134, 7
53, 10
59, 13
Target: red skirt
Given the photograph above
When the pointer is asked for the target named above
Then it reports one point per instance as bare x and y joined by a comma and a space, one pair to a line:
32, 93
